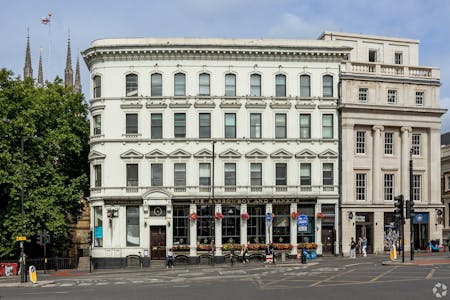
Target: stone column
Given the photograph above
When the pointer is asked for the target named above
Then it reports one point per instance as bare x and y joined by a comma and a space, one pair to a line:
218, 231
336, 228
434, 152
406, 147
192, 232
347, 163
293, 230
269, 226
318, 228
377, 197
169, 222
243, 225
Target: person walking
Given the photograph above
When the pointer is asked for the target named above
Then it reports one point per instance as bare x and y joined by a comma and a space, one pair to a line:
364, 246
232, 255
352, 248
170, 258
244, 255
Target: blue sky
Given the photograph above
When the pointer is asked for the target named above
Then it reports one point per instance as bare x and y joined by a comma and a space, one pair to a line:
87, 20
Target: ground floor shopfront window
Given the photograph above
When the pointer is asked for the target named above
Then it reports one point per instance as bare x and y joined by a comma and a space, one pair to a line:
205, 224
364, 228
256, 224
281, 224
180, 225
231, 230
308, 236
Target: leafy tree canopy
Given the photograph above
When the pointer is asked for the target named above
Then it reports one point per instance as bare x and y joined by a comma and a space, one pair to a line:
55, 164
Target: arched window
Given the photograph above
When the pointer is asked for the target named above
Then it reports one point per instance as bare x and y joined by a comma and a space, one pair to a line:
255, 85
327, 86
305, 86
156, 84
97, 93
180, 84
204, 85
131, 85
230, 85
280, 85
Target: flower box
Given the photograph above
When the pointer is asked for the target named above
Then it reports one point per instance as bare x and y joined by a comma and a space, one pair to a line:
307, 246
180, 248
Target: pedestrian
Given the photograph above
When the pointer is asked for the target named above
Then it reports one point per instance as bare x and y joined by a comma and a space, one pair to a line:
352, 248
364, 246
244, 255
232, 255
359, 245
170, 258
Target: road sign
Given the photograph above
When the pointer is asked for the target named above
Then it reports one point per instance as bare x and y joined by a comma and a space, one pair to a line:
33, 275
21, 238
268, 217
302, 223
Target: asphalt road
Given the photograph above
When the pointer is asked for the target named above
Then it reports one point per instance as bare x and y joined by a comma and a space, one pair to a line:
323, 279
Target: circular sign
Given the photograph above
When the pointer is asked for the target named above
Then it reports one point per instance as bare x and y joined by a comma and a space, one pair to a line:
157, 211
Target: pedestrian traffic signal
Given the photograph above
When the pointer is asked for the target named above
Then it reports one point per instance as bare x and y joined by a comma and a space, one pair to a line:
411, 209
398, 211
39, 239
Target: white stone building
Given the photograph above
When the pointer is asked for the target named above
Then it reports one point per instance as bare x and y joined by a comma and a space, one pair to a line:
195, 128
390, 114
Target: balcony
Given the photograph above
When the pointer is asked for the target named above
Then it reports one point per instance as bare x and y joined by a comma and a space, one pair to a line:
390, 70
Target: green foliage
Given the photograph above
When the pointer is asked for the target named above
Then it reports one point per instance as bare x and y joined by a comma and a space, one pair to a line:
55, 165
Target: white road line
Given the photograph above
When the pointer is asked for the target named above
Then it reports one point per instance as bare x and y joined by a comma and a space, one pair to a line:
66, 284
330, 278
430, 274
382, 274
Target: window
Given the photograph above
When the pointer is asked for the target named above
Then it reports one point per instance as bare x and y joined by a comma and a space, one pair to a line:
360, 142
398, 58
204, 85
180, 84
131, 123
230, 126
388, 143
281, 174
230, 85
256, 225
256, 174
305, 86
179, 174
392, 96
280, 126
230, 174
309, 235
255, 126
448, 183
98, 226
157, 174
360, 186
363, 94
180, 225
416, 144
417, 187
97, 124
132, 175
156, 126
305, 126
97, 86
131, 85
327, 175
132, 226
305, 174
156, 85
255, 85
327, 126
205, 174
231, 224
388, 187
97, 175
280, 85
204, 123
281, 224
372, 55
180, 125
419, 98
328, 86
205, 224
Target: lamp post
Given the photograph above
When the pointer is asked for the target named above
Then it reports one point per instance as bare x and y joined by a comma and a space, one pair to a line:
213, 227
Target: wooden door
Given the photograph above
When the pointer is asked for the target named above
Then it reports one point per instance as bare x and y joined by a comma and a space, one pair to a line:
327, 239
158, 242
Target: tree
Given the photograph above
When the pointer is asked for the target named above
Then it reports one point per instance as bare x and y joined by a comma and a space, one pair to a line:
56, 166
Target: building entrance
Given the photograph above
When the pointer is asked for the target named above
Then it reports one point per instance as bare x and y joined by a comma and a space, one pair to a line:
158, 242
364, 228
327, 239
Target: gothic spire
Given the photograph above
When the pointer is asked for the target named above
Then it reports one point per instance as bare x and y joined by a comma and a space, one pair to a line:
77, 76
68, 71
28, 69
40, 79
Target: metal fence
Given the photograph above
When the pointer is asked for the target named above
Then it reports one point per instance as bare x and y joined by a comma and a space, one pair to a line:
53, 263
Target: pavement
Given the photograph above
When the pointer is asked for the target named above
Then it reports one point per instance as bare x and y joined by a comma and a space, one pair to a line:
420, 259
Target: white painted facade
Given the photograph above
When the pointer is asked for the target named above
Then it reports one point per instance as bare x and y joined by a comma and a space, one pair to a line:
112, 148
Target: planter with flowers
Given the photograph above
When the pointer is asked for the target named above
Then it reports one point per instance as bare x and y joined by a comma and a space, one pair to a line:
193, 216
294, 215
218, 215
245, 216
179, 248
256, 247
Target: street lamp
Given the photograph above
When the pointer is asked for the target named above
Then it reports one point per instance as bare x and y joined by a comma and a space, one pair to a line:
23, 273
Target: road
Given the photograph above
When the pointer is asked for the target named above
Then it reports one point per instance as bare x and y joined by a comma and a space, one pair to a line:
322, 279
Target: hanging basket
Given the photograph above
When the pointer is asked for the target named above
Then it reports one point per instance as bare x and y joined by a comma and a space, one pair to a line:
193, 216
320, 215
245, 216
218, 215
294, 215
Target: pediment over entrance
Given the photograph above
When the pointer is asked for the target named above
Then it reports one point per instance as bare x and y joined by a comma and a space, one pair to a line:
306, 154
328, 154
256, 153
204, 153
156, 194
156, 154
180, 153
281, 154
230, 153
131, 154
96, 155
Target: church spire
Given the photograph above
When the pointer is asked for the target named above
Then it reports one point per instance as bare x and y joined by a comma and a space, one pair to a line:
40, 79
68, 71
28, 69
77, 76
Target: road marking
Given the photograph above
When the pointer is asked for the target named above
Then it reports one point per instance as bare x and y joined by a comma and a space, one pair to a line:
232, 272
85, 283
430, 274
330, 278
102, 283
66, 284
382, 274
357, 264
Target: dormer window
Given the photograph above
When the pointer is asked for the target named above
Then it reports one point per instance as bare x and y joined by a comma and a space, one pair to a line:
398, 58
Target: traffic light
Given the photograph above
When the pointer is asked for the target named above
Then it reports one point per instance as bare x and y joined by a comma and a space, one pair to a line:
39, 239
398, 211
408, 215
46, 237
411, 209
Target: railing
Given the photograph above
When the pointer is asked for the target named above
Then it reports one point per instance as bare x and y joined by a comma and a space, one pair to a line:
390, 70
53, 263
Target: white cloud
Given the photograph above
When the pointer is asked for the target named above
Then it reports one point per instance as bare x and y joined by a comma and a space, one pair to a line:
292, 26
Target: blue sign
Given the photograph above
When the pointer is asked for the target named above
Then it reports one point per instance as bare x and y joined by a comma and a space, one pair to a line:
420, 218
302, 223
98, 232
268, 217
